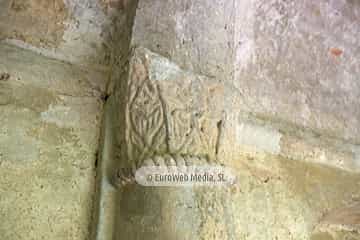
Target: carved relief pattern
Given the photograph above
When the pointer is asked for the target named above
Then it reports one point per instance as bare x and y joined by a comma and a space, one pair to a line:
126, 176
146, 122
161, 118
180, 130
189, 130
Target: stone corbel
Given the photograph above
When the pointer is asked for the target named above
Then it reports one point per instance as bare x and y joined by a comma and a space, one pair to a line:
159, 115
172, 117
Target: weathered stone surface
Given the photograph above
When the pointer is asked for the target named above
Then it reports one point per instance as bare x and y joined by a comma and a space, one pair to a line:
301, 64
170, 110
49, 126
275, 196
341, 223
84, 32
274, 55
284, 199
32, 21
198, 36
248, 133
268, 88
41, 72
160, 110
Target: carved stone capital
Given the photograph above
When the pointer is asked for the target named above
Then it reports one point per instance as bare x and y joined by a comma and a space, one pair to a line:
167, 111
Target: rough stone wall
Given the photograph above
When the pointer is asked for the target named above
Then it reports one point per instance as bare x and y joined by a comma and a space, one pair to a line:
273, 55
82, 32
173, 115
51, 110
267, 87
280, 85
40, 23
50, 115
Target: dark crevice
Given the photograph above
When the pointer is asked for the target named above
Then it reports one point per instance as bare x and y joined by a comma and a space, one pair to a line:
219, 126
